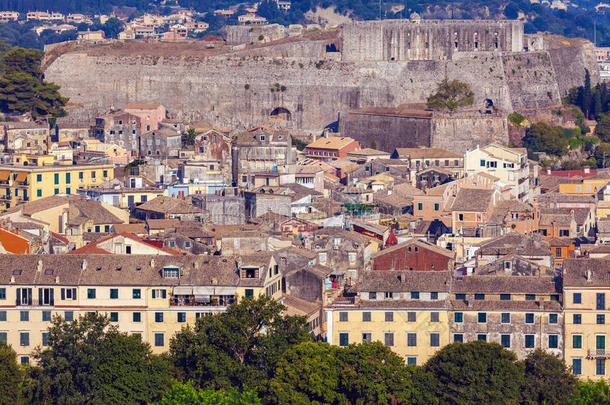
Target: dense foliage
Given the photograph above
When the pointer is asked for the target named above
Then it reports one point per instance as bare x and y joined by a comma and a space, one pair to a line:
451, 95
252, 354
22, 88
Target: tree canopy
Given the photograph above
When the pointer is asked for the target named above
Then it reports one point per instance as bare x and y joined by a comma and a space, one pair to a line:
186, 393
451, 95
90, 361
547, 380
11, 376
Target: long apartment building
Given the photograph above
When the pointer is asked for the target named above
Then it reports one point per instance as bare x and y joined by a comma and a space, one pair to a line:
149, 295
416, 313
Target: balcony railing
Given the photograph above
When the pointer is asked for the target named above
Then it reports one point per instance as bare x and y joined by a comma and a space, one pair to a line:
598, 354
193, 301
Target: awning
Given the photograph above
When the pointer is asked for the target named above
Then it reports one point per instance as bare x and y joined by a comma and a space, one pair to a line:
183, 290
21, 177
203, 290
337, 273
224, 290
202, 298
4, 174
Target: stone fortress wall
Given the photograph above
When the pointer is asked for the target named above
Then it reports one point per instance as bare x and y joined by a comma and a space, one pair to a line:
416, 39
233, 87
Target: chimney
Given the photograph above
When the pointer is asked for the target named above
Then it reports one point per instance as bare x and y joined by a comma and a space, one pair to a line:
84, 265
39, 268
548, 171
586, 169
152, 262
57, 280
588, 275
12, 279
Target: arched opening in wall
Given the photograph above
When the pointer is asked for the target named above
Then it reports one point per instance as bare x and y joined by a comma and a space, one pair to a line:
331, 48
280, 114
456, 43
496, 42
476, 41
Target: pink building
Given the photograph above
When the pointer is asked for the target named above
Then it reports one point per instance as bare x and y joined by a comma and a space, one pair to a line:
150, 115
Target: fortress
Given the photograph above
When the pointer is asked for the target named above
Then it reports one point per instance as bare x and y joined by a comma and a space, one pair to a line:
325, 74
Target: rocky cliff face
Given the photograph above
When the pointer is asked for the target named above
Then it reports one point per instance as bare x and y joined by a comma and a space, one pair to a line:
242, 88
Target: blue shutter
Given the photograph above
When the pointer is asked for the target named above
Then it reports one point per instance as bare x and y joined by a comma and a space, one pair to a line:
40, 296
163, 293
153, 294
19, 296
63, 294
52, 300
29, 296
74, 294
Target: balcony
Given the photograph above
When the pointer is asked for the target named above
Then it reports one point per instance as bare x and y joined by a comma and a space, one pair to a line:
201, 300
598, 354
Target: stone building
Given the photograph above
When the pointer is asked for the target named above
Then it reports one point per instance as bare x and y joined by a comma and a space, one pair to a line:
223, 209
119, 128
417, 39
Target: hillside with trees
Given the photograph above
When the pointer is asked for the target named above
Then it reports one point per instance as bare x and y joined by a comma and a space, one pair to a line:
227, 359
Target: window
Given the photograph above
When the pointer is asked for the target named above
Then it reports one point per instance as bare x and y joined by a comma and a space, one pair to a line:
114, 317
436, 206
482, 163
412, 360
411, 339
93, 175
136, 317
24, 295
181, 317
38, 193
530, 297
2, 316
159, 294
529, 341
435, 339
343, 339
564, 232
420, 206
45, 296
414, 295
460, 217
372, 295
81, 176
105, 173
553, 341
557, 252
389, 339
39, 177
577, 319
367, 337
25, 360
600, 301
411, 316
529, 318
97, 228
389, 295
505, 317
505, 341
158, 316
67, 178
458, 337
482, 336
479, 297
576, 341
68, 293
389, 316
91, 293
460, 296
46, 316
458, 317
69, 316
601, 319
505, 297
577, 366
343, 317
249, 292
114, 293
159, 340
600, 367
3, 337
600, 342
56, 178
552, 318
24, 316
482, 317
24, 338
136, 293
434, 295
434, 317
576, 298
366, 317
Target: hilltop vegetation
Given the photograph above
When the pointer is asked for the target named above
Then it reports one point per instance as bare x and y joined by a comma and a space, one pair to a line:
577, 21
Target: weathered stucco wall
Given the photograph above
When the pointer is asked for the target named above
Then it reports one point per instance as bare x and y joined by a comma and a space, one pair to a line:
462, 131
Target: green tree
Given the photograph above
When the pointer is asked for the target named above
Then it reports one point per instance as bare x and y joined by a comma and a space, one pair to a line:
229, 349
185, 393
188, 139
547, 380
112, 27
11, 376
542, 137
450, 95
602, 129
316, 373
592, 393
20, 60
602, 155
89, 361
476, 373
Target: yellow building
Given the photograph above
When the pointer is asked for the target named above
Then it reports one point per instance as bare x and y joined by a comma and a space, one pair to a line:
151, 296
406, 311
586, 186
30, 183
586, 287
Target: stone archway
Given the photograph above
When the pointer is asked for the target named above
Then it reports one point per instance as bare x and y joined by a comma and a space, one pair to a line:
281, 114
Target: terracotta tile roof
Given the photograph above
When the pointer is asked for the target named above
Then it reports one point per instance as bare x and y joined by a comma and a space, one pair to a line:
299, 307
402, 281
430, 153
407, 189
399, 304
472, 305
332, 142
94, 248
130, 228
472, 200
505, 284
162, 223
169, 205
421, 244
143, 106
505, 207
514, 243
575, 272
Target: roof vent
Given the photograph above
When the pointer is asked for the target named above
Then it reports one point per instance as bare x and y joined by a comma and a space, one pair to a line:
98, 268
16, 272
118, 268
49, 272
138, 268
